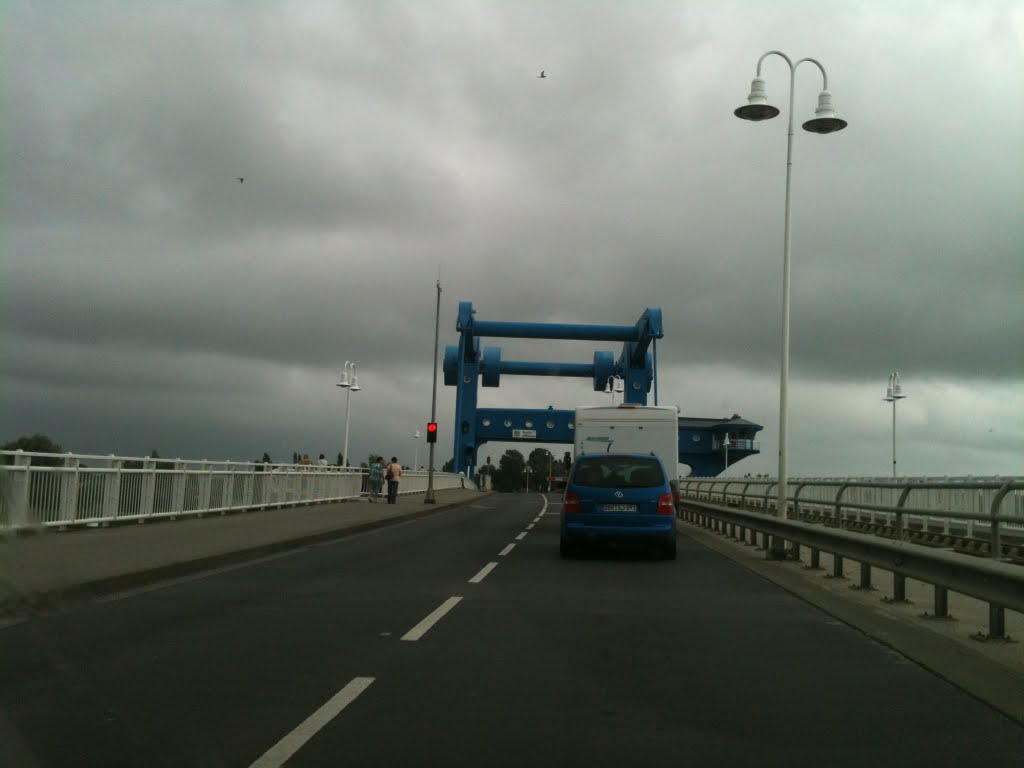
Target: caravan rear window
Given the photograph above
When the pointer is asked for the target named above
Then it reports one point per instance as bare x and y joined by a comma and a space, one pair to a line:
618, 472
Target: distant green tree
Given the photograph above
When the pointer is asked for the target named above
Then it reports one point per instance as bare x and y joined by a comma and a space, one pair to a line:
266, 458
341, 460
296, 457
541, 464
510, 475
153, 454
35, 444
448, 466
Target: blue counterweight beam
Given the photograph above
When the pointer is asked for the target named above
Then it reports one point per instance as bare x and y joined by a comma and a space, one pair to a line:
565, 331
577, 370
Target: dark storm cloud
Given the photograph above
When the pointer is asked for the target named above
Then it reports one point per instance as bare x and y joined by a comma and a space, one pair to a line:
383, 142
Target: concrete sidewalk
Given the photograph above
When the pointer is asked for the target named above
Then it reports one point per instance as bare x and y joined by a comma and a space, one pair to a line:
52, 567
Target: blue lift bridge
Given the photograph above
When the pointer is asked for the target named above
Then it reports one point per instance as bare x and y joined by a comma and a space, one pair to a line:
704, 443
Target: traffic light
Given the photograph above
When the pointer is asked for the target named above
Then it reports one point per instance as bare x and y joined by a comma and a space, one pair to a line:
432, 432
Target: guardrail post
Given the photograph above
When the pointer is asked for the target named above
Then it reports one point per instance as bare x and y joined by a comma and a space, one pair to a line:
837, 505
20, 481
994, 532
899, 589
69, 490
865, 577
837, 567
941, 603
250, 483
205, 487
793, 553
899, 512
815, 560
112, 490
148, 488
996, 623
178, 487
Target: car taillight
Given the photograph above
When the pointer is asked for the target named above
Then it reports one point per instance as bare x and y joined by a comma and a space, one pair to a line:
665, 505
571, 503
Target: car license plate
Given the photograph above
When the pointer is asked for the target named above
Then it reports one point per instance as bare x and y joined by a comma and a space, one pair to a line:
619, 508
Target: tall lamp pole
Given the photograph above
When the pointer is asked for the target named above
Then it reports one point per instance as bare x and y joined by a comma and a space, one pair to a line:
825, 121
350, 383
416, 455
428, 498
893, 393
726, 445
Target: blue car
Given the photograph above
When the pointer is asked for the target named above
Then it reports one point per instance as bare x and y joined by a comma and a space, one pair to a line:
616, 496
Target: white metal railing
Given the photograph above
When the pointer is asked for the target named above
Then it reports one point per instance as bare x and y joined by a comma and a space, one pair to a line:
60, 490
966, 504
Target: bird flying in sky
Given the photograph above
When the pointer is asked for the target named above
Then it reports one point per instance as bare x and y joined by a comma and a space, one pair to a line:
241, 180
542, 74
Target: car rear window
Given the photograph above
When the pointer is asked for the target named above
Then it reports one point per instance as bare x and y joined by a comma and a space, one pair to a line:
618, 472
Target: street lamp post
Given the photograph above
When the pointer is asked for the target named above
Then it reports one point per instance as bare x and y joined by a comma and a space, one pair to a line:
893, 393
416, 455
726, 445
350, 383
527, 478
825, 121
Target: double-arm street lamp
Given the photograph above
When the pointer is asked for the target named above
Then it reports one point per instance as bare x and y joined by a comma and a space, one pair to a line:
350, 383
613, 385
824, 121
893, 393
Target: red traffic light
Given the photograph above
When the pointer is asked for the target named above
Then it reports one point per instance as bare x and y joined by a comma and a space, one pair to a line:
432, 432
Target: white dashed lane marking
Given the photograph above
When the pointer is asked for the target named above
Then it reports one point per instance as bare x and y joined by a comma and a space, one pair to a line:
483, 573
278, 754
435, 616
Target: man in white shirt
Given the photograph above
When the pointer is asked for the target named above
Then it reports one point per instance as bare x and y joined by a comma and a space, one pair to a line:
393, 476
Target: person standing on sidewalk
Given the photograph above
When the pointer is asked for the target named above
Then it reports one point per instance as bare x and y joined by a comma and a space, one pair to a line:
376, 478
393, 476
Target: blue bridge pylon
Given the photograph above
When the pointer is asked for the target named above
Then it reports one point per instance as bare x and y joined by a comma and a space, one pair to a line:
466, 365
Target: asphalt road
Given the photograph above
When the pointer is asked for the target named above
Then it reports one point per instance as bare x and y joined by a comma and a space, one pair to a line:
357, 653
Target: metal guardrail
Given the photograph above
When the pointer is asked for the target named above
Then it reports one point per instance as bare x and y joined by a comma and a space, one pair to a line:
66, 490
948, 504
999, 583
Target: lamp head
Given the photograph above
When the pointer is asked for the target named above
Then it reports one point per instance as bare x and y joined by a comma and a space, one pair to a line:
757, 107
355, 384
618, 385
825, 120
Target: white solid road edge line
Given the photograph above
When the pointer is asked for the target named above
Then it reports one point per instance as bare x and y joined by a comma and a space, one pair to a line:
545, 509
507, 549
521, 536
483, 573
420, 629
278, 754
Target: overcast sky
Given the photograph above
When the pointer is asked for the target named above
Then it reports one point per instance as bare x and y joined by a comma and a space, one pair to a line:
150, 300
